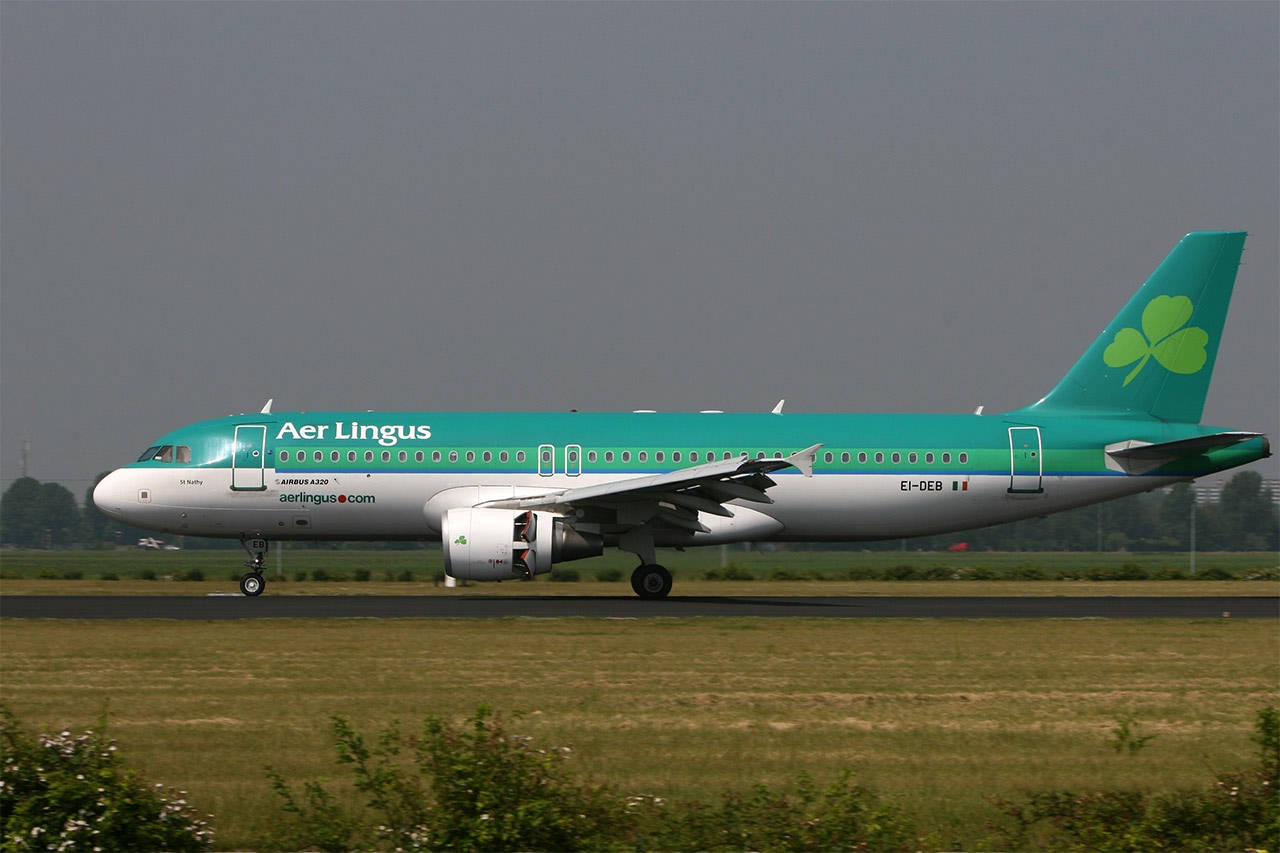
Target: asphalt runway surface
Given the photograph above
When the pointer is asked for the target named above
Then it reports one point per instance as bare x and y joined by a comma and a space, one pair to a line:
628, 607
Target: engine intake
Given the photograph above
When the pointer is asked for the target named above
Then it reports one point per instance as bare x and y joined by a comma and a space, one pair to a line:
497, 544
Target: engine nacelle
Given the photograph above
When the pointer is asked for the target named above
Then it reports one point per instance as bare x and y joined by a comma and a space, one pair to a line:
498, 544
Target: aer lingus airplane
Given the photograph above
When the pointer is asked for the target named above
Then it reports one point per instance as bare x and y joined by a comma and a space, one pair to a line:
511, 494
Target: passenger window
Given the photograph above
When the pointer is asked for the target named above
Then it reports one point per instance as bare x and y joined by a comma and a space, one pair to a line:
675, 456
626, 456
659, 456
471, 456
844, 458
453, 456
897, 457
728, 455
435, 456
386, 456
334, 456
403, 456
828, 457
879, 458
519, 455
284, 456
946, 459
351, 456
964, 458
368, 456
591, 456
608, 456
488, 456
913, 457
928, 458
862, 458
503, 456
642, 456
317, 456
693, 456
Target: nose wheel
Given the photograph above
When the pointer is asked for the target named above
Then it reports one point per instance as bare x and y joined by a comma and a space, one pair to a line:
252, 583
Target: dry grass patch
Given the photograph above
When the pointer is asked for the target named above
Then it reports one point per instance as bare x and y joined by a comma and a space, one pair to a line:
936, 713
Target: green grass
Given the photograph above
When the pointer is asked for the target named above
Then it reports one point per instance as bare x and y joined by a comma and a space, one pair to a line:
385, 566
932, 714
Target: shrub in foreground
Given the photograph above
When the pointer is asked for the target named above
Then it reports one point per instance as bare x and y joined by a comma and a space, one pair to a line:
477, 787
1238, 812
66, 792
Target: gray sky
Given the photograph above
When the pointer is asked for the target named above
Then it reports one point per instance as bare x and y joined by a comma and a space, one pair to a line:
859, 207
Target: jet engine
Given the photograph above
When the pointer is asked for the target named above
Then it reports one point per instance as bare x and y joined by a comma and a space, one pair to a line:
496, 544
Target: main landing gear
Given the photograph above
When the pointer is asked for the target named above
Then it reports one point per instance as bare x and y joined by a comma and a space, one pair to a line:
252, 582
651, 581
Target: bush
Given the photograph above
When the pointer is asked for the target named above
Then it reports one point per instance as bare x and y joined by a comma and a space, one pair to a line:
1238, 812
363, 575
61, 792
472, 787
192, 575
609, 575
565, 575
476, 787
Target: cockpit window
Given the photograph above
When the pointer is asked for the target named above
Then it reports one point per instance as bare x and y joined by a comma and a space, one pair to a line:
167, 453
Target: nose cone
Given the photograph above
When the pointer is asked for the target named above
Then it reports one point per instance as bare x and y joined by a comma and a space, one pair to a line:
110, 493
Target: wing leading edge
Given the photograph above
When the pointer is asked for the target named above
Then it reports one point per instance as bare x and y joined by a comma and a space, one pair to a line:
676, 497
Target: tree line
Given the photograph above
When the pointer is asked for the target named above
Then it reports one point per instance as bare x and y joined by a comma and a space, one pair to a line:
1244, 518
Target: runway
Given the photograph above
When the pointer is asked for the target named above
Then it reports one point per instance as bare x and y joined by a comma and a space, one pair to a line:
218, 607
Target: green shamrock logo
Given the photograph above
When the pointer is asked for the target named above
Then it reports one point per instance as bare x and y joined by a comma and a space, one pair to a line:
461, 540
1177, 349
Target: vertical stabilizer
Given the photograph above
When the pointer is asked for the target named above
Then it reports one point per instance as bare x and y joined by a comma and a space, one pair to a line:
1156, 357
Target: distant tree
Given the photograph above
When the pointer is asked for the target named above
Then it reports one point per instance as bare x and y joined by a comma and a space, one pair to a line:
59, 514
20, 521
38, 515
1248, 515
1174, 515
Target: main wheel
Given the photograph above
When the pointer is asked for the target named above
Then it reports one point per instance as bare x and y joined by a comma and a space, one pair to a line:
651, 581
252, 583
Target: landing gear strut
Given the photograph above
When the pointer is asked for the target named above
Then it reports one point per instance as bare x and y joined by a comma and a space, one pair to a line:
651, 581
252, 582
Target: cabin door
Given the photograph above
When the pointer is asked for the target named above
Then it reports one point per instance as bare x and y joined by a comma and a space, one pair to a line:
1026, 462
248, 459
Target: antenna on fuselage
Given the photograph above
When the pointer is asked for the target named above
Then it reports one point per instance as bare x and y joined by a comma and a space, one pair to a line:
777, 410
978, 410
266, 410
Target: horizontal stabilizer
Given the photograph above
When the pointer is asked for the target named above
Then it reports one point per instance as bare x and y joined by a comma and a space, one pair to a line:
1139, 457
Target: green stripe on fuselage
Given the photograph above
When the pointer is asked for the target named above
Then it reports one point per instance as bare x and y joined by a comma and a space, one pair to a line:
1071, 445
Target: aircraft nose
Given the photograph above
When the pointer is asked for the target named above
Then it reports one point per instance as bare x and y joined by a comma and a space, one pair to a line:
109, 494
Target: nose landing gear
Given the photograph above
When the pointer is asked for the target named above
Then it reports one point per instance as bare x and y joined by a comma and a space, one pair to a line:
252, 582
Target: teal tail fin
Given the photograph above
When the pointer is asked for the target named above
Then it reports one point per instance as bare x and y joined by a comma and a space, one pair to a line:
1156, 357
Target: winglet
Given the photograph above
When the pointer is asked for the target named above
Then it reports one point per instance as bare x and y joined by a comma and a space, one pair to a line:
804, 459
777, 410
266, 410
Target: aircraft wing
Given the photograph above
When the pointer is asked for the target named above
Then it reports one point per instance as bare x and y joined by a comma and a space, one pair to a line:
676, 497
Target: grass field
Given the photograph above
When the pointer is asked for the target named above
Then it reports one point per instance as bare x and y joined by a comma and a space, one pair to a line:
384, 571
933, 714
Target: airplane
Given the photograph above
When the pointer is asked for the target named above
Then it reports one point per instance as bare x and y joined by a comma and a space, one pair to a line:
508, 495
